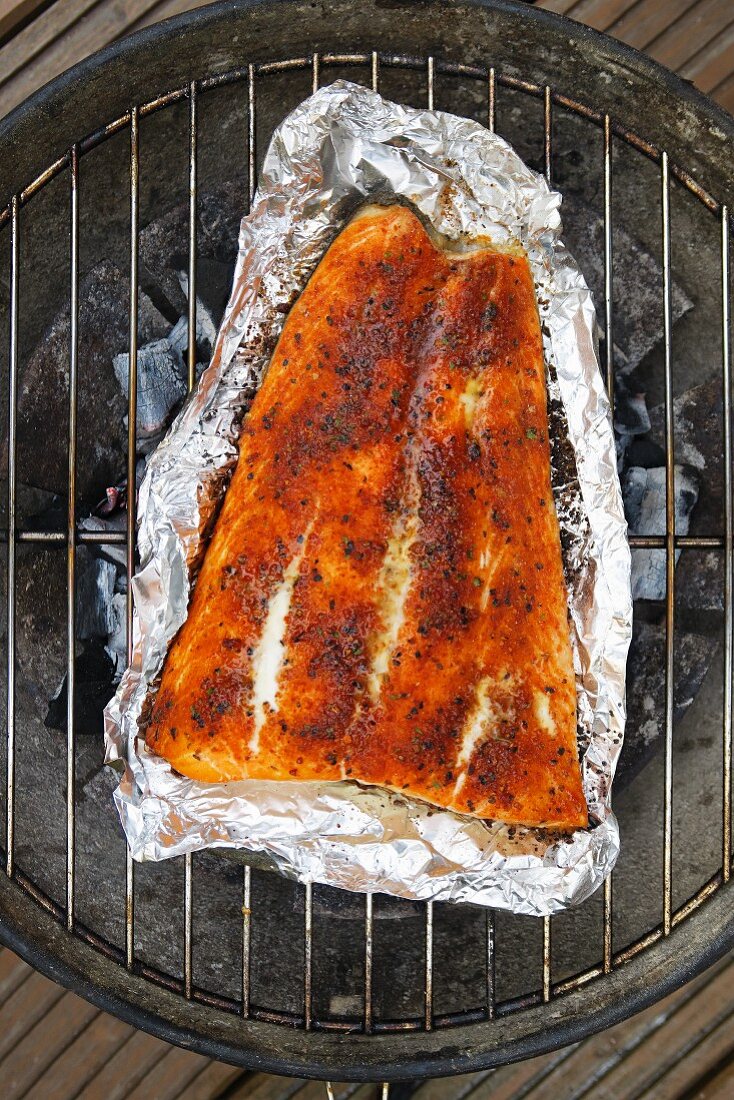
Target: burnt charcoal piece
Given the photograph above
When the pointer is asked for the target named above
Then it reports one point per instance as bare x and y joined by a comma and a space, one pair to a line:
95, 586
114, 551
645, 453
117, 638
93, 675
631, 419
35, 509
161, 384
163, 246
43, 390
644, 505
698, 422
213, 285
638, 322
694, 652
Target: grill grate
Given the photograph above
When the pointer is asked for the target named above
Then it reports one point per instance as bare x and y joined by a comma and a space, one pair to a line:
250, 76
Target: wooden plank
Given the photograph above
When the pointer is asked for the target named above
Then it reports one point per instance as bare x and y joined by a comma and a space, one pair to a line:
213, 1079
720, 1086
259, 1086
519, 1079
164, 9
40, 1046
645, 21
13, 971
126, 1068
600, 14
598, 1055
696, 1018
316, 1090
451, 1088
14, 12
29, 1003
348, 1090
724, 94
170, 1074
26, 46
85, 1056
104, 21
689, 34
681, 1077
561, 7
714, 63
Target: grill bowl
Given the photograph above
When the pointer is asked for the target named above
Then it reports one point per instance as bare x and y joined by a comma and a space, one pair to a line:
493, 992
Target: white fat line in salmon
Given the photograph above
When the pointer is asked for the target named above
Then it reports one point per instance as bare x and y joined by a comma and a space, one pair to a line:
269, 655
394, 583
483, 721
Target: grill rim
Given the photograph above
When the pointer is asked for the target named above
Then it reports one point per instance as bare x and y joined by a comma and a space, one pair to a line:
454, 1054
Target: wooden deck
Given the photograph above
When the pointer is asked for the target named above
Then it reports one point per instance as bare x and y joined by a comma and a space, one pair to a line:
694, 37
54, 1046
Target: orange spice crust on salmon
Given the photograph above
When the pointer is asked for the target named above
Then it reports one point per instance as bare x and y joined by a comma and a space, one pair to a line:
383, 596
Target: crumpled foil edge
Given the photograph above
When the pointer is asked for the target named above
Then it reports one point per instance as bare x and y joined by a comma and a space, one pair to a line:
343, 146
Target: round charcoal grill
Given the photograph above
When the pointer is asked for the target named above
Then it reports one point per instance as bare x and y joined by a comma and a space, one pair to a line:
136, 166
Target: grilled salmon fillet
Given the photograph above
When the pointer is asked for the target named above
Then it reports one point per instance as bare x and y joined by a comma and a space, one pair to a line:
383, 597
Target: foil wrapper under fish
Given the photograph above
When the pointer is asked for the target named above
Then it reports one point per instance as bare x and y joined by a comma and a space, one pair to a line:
342, 147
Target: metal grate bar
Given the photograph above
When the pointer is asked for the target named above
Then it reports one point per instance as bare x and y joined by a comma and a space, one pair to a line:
547, 163
375, 64
491, 101
246, 939
308, 956
251, 135
547, 945
608, 262
188, 925
12, 425
191, 382
670, 555
132, 416
431, 82
728, 563
191, 349
315, 73
103, 538
547, 133
368, 930
491, 975
609, 355
71, 537
98, 538
428, 996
